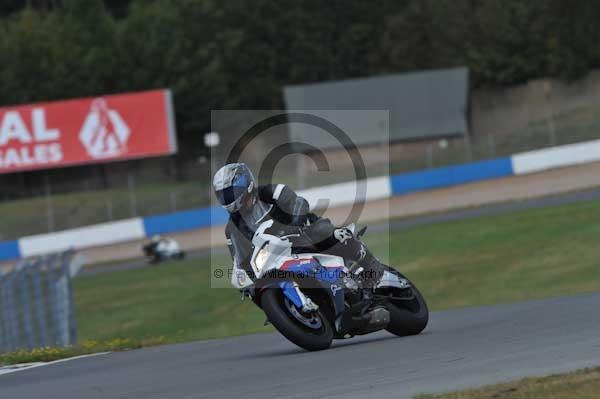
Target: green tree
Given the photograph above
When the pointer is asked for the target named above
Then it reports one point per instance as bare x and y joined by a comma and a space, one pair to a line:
240, 54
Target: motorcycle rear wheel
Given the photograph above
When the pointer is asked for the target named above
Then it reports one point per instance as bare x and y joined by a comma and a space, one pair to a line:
408, 317
294, 328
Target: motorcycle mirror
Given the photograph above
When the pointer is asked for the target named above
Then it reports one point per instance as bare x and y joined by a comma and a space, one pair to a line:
361, 232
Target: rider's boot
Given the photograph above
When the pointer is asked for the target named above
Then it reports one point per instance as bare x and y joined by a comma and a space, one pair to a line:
372, 269
344, 243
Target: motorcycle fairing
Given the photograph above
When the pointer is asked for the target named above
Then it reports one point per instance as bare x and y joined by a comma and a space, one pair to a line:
393, 281
293, 293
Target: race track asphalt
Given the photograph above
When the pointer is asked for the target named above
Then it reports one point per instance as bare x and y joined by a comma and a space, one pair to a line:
459, 349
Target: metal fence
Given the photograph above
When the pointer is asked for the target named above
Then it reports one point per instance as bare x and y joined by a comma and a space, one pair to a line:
36, 303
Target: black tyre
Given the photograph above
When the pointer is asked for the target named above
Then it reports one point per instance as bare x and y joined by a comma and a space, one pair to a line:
312, 332
408, 316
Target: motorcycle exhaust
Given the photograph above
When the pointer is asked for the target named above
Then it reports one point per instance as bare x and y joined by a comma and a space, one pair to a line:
377, 319
374, 320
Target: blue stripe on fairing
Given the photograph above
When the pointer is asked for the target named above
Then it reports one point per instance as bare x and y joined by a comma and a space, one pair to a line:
185, 220
451, 175
9, 250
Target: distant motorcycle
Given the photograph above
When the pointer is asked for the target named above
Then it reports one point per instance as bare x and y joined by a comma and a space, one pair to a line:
313, 298
161, 249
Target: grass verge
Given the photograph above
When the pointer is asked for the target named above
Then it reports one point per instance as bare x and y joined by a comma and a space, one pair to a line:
584, 384
48, 354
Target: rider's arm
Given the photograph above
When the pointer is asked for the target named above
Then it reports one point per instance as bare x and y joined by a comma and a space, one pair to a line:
229, 242
234, 247
293, 205
239, 276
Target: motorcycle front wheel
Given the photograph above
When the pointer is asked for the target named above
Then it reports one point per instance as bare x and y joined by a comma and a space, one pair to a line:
311, 331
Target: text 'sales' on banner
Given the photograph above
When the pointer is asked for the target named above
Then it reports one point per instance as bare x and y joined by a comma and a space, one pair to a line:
88, 130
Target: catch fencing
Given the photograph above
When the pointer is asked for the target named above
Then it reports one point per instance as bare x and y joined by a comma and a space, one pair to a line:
36, 303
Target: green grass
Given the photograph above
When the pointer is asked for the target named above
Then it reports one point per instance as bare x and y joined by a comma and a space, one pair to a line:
583, 384
48, 354
522, 256
171, 301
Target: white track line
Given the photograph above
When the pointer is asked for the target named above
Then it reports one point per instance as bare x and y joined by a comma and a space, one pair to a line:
14, 368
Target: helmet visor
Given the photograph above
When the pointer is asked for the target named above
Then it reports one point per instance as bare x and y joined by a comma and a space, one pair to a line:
231, 194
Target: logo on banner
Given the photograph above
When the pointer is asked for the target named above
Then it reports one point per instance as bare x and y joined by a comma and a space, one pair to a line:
104, 133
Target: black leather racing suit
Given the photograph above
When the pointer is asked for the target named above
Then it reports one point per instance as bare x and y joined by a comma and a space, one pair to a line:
285, 207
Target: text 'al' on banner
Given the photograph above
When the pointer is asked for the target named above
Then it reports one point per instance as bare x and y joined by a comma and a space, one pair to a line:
88, 130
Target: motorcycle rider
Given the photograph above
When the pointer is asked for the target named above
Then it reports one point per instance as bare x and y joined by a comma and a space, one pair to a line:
249, 204
161, 248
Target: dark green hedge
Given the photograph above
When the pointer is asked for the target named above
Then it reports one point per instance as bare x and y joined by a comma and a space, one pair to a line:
218, 54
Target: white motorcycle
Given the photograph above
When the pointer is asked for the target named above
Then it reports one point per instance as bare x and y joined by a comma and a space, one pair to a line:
312, 298
161, 249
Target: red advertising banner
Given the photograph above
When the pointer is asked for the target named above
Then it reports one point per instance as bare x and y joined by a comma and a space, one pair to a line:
88, 130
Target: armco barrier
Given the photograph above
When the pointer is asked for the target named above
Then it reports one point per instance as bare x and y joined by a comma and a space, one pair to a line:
338, 194
185, 220
556, 157
345, 193
9, 250
450, 176
83, 237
